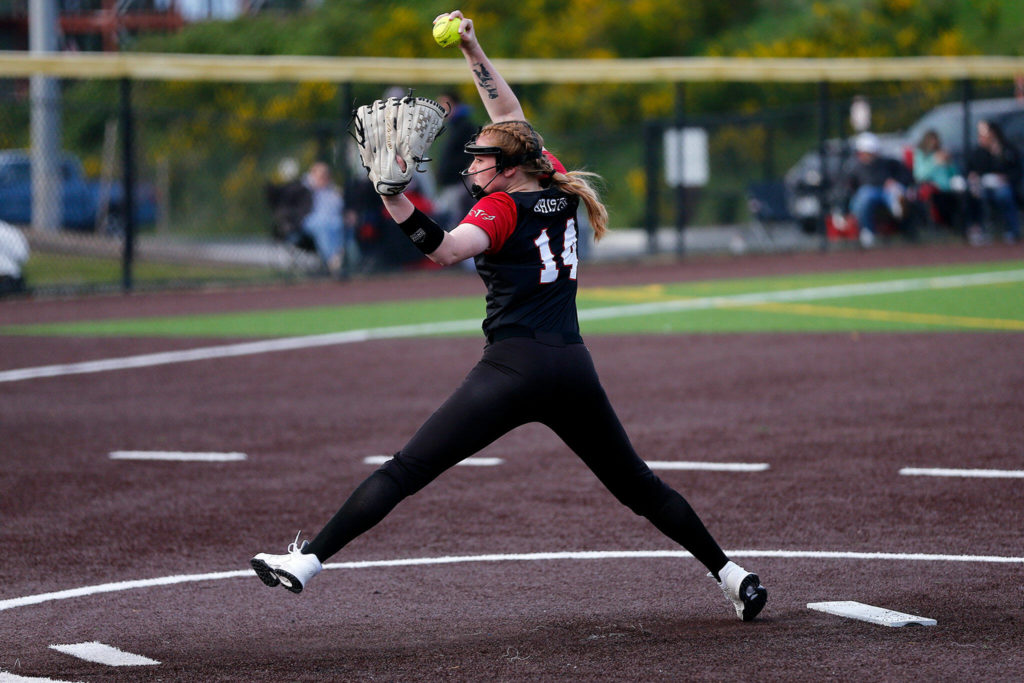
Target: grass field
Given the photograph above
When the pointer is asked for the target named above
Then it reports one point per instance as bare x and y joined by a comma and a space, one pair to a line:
974, 297
48, 270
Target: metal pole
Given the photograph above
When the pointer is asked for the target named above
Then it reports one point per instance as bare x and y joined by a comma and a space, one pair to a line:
347, 231
825, 186
967, 92
652, 133
345, 116
681, 187
128, 170
47, 200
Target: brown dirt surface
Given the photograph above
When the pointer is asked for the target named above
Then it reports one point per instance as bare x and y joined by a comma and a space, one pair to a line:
835, 416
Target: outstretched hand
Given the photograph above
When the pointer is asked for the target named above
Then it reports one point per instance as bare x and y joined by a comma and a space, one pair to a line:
467, 34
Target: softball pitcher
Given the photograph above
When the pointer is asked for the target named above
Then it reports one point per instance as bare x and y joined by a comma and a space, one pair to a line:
522, 233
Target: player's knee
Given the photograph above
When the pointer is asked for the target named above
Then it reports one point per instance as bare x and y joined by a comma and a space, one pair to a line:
409, 474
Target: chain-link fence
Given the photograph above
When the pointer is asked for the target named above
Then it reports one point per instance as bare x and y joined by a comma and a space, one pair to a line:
204, 160
200, 175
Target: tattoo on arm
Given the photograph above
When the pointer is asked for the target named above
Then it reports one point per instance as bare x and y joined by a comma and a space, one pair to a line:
485, 81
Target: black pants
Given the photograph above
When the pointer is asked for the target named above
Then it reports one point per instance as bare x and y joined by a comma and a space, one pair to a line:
518, 381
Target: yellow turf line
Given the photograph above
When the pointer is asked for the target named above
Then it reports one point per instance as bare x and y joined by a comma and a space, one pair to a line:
887, 316
642, 293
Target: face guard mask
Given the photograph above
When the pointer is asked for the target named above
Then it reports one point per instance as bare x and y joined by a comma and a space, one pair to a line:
474, 189
479, 150
501, 162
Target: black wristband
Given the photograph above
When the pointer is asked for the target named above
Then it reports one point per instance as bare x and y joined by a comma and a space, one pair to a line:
425, 234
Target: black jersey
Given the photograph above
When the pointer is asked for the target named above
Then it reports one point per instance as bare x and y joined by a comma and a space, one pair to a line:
530, 268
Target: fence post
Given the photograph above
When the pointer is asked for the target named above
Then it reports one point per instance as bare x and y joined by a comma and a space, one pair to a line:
128, 181
348, 240
652, 133
825, 187
768, 163
47, 204
967, 94
681, 188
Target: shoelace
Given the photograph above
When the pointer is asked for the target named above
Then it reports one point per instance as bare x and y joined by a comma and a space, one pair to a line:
294, 546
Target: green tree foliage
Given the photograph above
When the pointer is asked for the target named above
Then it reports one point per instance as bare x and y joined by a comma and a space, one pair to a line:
861, 28
236, 129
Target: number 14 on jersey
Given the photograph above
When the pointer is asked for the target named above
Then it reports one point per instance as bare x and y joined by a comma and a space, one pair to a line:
550, 264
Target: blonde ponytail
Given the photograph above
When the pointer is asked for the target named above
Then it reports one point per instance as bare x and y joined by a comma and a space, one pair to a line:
578, 183
520, 141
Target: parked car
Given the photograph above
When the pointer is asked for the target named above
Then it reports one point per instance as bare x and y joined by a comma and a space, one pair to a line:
803, 180
80, 198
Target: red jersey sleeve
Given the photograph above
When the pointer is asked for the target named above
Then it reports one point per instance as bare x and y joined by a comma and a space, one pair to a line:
495, 214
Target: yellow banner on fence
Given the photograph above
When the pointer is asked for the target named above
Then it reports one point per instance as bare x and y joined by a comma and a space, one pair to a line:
181, 67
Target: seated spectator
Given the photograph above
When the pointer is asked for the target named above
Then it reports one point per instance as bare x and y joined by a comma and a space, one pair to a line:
878, 185
289, 200
993, 183
323, 223
935, 174
309, 212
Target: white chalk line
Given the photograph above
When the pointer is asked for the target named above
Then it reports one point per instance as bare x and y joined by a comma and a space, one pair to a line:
943, 472
234, 350
177, 456
473, 461
7, 677
119, 586
455, 326
708, 466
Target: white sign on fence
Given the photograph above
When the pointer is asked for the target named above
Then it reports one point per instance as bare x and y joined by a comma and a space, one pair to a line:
686, 157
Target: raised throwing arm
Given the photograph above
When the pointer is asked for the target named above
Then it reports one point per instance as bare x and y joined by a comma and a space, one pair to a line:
499, 100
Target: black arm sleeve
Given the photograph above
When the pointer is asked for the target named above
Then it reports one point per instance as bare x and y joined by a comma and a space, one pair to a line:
425, 234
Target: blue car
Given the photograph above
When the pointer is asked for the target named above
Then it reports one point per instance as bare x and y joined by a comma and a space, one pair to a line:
80, 198
78, 201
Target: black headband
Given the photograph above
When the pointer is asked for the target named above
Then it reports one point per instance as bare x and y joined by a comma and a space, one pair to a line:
505, 160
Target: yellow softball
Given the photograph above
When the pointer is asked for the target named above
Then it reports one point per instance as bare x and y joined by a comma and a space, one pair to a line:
446, 31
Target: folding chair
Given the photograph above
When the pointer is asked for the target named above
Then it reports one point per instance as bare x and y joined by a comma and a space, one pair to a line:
768, 208
767, 202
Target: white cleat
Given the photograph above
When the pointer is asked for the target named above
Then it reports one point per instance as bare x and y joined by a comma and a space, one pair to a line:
743, 589
293, 570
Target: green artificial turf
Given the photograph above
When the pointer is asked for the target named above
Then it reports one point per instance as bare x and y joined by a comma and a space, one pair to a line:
706, 305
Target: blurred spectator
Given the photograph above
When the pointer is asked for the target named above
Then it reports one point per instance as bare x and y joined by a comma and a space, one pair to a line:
363, 215
290, 200
308, 212
993, 181
453, 200
935, 175
878, 185
381, 245
323, 223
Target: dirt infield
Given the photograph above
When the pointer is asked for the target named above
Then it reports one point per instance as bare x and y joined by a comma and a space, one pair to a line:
834, 416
